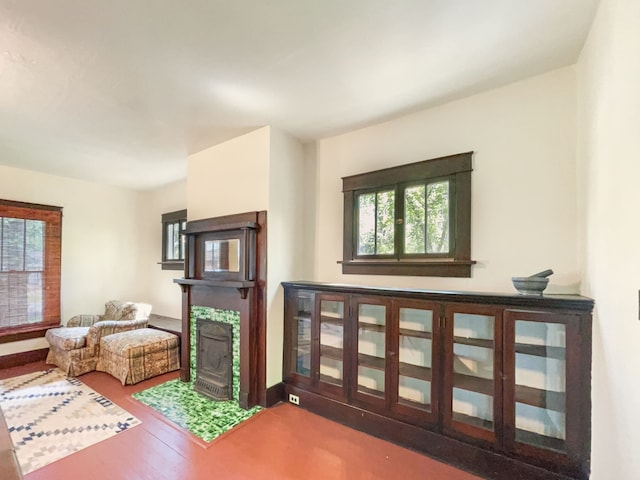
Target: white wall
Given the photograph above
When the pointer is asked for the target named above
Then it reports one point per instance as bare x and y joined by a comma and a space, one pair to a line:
100, 245
159, 289
285, 244
523, 183
609, 116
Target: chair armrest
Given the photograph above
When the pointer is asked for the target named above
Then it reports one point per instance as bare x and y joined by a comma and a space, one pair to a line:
84, 320
109, 327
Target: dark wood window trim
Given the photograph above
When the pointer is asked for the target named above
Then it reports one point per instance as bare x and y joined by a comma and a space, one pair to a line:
179, 216
52, 217
457, 263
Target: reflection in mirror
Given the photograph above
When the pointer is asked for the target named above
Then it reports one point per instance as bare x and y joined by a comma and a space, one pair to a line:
222, 255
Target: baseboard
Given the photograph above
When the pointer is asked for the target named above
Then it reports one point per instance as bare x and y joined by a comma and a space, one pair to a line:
22, 358
275, 394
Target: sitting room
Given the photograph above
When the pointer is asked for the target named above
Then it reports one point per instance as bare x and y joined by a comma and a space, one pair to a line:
278, 240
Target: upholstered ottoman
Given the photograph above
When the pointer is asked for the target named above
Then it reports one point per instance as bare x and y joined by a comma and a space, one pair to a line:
136, 355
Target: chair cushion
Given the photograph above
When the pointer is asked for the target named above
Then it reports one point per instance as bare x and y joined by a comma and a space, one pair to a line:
67, 338
136, 343
118, 310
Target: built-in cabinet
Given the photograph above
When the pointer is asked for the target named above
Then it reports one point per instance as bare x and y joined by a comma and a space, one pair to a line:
497, 383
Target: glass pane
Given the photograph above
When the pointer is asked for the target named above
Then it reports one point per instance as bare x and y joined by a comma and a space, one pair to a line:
35, 292
414, 219
367, 224
416, 319
371, 381
473, 408
415, 392
371, 348
372, 314
13, 231
331, 370
385, 223
176, 241
169, 252
34, 245
473, 375
540, 383
438, 217
331, 341
301, 350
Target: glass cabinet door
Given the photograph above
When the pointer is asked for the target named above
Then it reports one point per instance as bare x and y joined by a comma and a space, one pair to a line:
471, 366
331, 361
415, 370
301, 306
537, 368
371, 349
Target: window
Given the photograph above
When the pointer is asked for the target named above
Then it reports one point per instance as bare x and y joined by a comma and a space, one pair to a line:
30, 243
413, 219
173, 240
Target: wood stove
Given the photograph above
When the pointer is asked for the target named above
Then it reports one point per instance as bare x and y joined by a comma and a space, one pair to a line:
214, 359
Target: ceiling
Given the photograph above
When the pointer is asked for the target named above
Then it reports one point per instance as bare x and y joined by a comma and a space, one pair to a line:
121, 91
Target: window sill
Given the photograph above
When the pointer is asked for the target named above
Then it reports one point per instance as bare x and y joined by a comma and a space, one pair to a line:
418, 268
172, 265
25, 332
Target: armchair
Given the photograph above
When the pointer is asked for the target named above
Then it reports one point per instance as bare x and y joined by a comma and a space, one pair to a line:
75, 348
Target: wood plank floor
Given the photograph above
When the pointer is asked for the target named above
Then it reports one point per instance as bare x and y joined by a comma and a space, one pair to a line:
280, 443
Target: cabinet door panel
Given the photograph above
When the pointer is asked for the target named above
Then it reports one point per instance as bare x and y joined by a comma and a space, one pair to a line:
473, 360
299, 316
538, 387
413, 363
332, 341
371, 330
330, 335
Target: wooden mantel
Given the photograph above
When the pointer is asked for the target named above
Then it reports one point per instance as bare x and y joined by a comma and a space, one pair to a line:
243, 292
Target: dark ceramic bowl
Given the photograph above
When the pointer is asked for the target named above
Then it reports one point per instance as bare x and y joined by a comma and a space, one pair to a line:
530, 285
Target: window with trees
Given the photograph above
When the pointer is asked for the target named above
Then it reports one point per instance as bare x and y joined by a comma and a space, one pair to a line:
413, 219
173, 240
30, 243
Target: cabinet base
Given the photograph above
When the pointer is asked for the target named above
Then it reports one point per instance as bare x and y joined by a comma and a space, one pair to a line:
471, 458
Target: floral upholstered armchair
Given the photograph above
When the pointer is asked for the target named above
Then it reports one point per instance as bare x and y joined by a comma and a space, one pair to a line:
75, 348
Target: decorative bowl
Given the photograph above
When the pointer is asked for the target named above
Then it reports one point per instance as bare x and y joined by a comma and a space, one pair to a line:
530, 285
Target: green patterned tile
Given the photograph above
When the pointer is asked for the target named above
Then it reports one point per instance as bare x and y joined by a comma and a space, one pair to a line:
181, 404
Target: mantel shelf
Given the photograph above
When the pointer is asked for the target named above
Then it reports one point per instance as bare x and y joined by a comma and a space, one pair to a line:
243, 286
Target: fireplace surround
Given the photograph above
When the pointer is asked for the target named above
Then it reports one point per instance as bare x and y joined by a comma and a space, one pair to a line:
225, 268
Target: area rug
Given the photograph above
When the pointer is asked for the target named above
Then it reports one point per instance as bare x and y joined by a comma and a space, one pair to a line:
185, 407
51, 416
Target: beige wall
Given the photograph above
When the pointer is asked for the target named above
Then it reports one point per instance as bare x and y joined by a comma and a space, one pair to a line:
100, 244
229, 178
523, 183
285, 260
609, 116
159, 289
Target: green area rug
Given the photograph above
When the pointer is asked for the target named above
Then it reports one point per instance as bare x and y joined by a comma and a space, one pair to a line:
203, 417
181, 404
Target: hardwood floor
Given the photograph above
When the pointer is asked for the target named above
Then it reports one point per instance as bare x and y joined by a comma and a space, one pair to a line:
283, 443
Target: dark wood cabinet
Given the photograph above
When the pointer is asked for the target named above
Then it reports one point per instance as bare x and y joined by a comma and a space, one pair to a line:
497, 383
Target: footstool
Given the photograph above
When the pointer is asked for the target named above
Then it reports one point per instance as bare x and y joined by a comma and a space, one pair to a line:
136, 355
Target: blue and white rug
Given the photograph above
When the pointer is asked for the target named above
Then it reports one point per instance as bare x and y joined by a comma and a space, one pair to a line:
51, 416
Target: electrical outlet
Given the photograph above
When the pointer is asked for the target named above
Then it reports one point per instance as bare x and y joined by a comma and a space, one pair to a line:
294, 399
